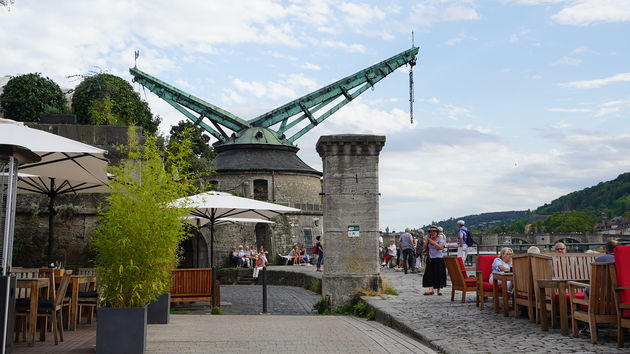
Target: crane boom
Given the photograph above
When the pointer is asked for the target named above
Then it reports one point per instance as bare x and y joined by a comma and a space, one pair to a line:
288, 115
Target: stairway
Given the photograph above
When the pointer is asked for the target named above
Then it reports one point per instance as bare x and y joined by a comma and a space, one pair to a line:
245, 277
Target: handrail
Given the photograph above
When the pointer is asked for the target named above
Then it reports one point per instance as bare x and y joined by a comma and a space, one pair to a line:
518, 247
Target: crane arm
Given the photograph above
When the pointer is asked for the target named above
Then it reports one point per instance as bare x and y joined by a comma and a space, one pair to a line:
305, 107
180, 99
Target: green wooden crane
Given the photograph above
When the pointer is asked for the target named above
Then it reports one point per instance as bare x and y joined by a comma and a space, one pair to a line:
258, 130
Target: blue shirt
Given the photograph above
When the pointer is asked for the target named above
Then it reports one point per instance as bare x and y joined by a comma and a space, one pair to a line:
406, 241
608, 257
434, 252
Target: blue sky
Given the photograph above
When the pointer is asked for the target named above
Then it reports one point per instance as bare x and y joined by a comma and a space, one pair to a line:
517, 102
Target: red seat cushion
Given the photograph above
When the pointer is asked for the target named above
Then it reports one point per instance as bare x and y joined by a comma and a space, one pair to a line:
471, 283
484, 265
622, 266
462, 267
488, 286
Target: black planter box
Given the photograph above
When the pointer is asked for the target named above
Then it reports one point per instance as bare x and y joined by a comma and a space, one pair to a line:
158, 311
121, 330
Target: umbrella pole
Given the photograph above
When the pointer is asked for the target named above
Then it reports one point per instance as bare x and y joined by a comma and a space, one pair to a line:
214, 270
51, 221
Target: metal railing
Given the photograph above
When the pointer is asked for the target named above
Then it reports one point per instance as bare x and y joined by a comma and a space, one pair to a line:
544, 247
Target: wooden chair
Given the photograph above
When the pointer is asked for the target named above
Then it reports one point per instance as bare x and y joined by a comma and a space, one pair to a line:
524, 292
459, 278
193, 284
88, 296
599, 306
620, 275
22, 297
484, 286
48, 308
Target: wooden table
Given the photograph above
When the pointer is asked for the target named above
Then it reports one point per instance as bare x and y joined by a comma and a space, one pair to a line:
34, 284
75, 281
504, 278
562, 286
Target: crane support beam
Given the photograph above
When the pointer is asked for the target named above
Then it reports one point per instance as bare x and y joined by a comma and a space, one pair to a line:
201, 107
371, 75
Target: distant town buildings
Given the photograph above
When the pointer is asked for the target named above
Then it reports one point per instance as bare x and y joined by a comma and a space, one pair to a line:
615, 226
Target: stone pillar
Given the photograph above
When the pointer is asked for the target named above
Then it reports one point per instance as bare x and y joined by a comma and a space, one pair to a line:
350, 200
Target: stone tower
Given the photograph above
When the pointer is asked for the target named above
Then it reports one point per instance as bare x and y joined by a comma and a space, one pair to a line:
351, 202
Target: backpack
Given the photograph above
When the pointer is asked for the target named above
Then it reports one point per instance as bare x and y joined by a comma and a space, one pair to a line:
315, 249
469, 238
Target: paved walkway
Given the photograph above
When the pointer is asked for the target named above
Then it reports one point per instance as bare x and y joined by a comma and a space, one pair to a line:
454, 327
277, 334
281, 300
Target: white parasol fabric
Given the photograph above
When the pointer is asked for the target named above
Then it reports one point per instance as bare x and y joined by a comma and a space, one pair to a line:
62, 158
223, 221
214, 206
66, 166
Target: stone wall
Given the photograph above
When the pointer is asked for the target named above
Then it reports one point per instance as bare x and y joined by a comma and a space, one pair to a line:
77, 213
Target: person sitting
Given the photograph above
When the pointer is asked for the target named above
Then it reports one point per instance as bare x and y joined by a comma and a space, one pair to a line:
248, 257
261, 262
560, 248
533, 250
238, 261
240, 253
610, 252
391, 253
306, 259
503, 264
296, 255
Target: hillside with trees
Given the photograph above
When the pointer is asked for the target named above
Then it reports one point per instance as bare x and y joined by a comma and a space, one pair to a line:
577, 211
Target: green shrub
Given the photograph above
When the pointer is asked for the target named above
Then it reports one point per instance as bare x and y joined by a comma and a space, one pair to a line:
216, 310
139, 232
320, 306
360, 309
371, 315
316, 286
345, 309
26, 98
390, 291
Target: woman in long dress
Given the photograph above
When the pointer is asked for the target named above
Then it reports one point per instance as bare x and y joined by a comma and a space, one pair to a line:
435, 270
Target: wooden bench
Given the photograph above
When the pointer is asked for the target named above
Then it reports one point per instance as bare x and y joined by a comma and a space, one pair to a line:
193, 284
550, 273
524, 292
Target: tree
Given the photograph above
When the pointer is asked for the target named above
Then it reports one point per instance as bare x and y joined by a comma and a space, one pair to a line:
108, 99
572, 221
27, 97
139, 230
203, 154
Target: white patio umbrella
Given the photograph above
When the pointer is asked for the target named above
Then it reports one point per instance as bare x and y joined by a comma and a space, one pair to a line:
213, 206
66, 166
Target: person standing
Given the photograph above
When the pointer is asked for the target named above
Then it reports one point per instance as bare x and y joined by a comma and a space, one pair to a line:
381, 248
406, 245
320, 253
420, 244
435, 269
462, 247
261, 262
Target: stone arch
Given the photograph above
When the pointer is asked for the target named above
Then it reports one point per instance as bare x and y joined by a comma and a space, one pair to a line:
194, 251
264, 237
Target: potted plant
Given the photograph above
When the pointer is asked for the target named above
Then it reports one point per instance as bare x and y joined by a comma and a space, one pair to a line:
137, 239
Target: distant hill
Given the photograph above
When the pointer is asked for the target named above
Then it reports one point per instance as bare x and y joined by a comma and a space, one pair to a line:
611, 198
482, 221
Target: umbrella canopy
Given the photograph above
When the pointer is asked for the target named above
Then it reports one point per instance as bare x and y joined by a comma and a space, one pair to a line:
214, 206
61, 158
223, 221
218, 205
66, 166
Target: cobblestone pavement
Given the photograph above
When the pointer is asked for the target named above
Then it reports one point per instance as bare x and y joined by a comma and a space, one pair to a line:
277, 334
284, 300
454, 327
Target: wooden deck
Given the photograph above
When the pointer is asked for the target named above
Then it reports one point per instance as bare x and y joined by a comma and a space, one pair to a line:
83, 340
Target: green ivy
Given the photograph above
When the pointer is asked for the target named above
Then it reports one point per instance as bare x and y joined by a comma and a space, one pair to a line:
138, 233
108, 99
27, 97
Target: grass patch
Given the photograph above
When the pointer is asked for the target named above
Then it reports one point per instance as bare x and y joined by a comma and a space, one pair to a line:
367, 292
390, 291
320, 307
178, 311
371, 315
216, 310
316, 286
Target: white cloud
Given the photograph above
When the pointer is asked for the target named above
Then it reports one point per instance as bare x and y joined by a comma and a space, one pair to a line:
606, 111
580, 50
459, 38
568, 61
587, 12
453, 112
353, 48
434, 11
359, 15
624, 77
569, 110
277, 55
289, 87
310, 66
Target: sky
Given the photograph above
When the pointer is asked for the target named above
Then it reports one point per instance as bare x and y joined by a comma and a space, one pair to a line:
517, 102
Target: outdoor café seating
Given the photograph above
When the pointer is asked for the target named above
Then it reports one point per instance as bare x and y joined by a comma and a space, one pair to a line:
524, 294
620, 278
598, 306
484, 286
459, 277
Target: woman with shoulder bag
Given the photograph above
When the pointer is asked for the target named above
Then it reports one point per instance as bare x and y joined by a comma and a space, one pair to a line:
435, 270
